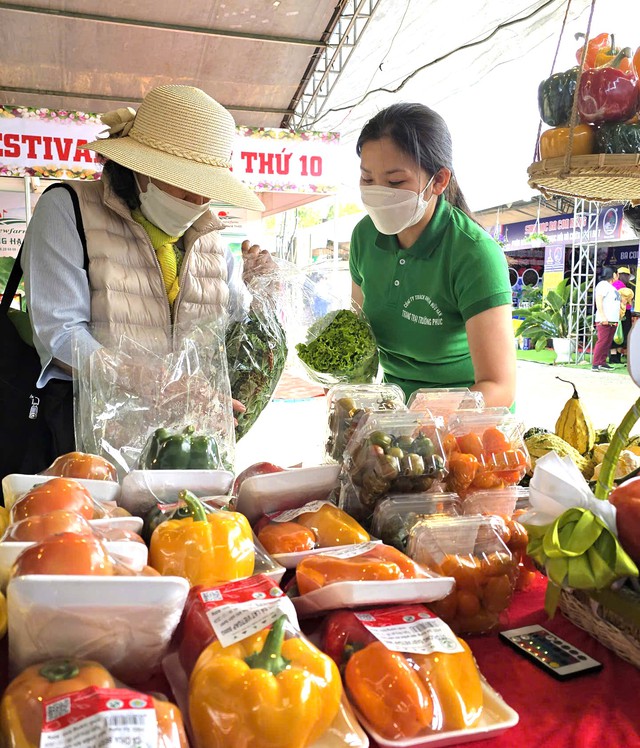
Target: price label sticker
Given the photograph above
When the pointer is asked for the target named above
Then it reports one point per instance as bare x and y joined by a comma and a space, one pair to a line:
350, 551
291, 514
233, 623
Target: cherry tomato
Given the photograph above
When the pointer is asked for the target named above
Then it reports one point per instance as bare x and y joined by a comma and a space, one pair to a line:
462, 471
468, 603
493, 440
497, 593
471, 444
450, 445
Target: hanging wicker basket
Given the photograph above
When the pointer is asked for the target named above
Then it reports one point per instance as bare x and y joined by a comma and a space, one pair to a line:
598, 177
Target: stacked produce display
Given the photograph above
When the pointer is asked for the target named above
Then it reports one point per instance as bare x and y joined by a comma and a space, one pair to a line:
274, 607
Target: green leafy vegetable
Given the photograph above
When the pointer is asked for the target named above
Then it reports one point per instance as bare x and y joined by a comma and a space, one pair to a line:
340, 348
256, 355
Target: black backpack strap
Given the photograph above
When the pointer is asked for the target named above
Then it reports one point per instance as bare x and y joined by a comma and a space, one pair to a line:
16, 271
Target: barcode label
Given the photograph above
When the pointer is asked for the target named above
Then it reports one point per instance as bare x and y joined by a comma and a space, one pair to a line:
119, 720
233, 623
291, 514
58, 709
211, 596
421, 636
350, 551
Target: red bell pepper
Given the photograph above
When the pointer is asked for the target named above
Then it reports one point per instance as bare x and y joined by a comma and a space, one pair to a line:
593, 47
606, 94
626, 499
259, 468
343, 635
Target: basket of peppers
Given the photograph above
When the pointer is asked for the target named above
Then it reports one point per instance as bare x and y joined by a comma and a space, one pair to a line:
592, 147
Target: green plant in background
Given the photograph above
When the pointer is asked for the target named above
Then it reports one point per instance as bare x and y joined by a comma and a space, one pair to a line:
531, 295
538, 236
547, 318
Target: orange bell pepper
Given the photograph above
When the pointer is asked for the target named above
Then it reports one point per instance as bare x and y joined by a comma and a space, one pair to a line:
554, 142
601, 41
388, 692
380, 563
636, 62
171, 732
66, 553
286, 537
607, 54
21, 705
333, 527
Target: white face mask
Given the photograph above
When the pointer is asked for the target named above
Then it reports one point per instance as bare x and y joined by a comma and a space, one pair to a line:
169, 213
393, 210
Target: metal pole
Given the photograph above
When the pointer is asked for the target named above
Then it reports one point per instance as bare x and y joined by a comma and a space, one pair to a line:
27, 198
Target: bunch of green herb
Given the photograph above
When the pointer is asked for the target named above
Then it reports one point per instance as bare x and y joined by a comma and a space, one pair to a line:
256, 355
340, 348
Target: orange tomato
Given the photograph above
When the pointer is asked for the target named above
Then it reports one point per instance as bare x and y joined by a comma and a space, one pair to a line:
41, 526
486, 479
462, 471
468, 603
82, 465
66, 553
57, 493
493, 440
471, 444
450, 445
446, 608
497, 593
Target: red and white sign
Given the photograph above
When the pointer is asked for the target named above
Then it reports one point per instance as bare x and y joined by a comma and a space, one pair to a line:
46, 143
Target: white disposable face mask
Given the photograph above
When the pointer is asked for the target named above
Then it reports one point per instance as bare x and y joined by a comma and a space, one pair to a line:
393, 210
169, 213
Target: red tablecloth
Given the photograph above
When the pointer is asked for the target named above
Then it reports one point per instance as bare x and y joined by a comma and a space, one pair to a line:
600, 710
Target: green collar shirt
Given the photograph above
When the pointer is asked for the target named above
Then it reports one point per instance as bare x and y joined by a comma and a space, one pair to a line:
418, 299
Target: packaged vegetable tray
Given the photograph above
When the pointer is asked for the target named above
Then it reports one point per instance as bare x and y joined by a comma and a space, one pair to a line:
348, 403
394, 516
485, 450
473, 552
392, 452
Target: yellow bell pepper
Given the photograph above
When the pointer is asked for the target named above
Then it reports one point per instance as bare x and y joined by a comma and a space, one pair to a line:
456, 683
554, 142
21, 705
332, 527
263, 692
204, 548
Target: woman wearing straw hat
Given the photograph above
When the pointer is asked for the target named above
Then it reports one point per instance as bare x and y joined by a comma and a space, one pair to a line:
154, 255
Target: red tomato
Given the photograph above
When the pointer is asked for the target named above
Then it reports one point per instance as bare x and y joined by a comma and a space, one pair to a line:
57, 493
41, 526
626, 499
66, 553
82, 465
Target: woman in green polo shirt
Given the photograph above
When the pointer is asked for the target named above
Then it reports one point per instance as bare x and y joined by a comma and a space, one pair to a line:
432, 282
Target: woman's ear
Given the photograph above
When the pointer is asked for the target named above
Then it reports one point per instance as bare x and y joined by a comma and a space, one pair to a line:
441, 180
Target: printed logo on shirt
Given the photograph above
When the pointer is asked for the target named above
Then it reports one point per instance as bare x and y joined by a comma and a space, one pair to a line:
422, 310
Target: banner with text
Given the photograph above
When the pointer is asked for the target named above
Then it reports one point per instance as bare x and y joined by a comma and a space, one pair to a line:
46, 143
553, 267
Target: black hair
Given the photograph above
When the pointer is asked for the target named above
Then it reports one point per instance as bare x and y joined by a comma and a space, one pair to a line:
423, 135
607, 273
122, 183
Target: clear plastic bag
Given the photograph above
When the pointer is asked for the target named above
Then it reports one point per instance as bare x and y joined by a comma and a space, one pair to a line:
256, 348
122, 394
348, 403
473, 551
392, 452
340, 347
486, 450
394, 516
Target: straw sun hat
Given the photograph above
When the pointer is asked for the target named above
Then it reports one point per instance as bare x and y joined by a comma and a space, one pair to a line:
181, 136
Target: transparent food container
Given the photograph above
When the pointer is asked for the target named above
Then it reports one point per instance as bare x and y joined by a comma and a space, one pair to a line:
394, 516
444, 402
473, 551
348, 403
485, 450
393, 452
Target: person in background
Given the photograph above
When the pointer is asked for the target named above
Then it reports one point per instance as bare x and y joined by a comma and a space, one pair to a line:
607, 302
155, 258
626, 304
432, 282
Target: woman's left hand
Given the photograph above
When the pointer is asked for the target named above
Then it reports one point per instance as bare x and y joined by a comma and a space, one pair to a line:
238, 407
257, 261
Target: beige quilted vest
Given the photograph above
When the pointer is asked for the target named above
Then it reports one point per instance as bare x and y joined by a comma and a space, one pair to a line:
127, 291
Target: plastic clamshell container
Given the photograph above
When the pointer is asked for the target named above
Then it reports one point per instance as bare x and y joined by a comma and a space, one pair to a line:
348, 403
497, 717
344, 732
288, 489
125, 623
291, 560
394, 516
444, 402
143, 489
129, 552
16, 485
132, 524
501, 501
393, 452
267, 564
369, 593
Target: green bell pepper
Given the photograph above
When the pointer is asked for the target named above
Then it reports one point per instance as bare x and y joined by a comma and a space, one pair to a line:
181, 450
618, 138
555, 97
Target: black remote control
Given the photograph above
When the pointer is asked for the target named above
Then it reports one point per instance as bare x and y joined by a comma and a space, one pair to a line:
553, 654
